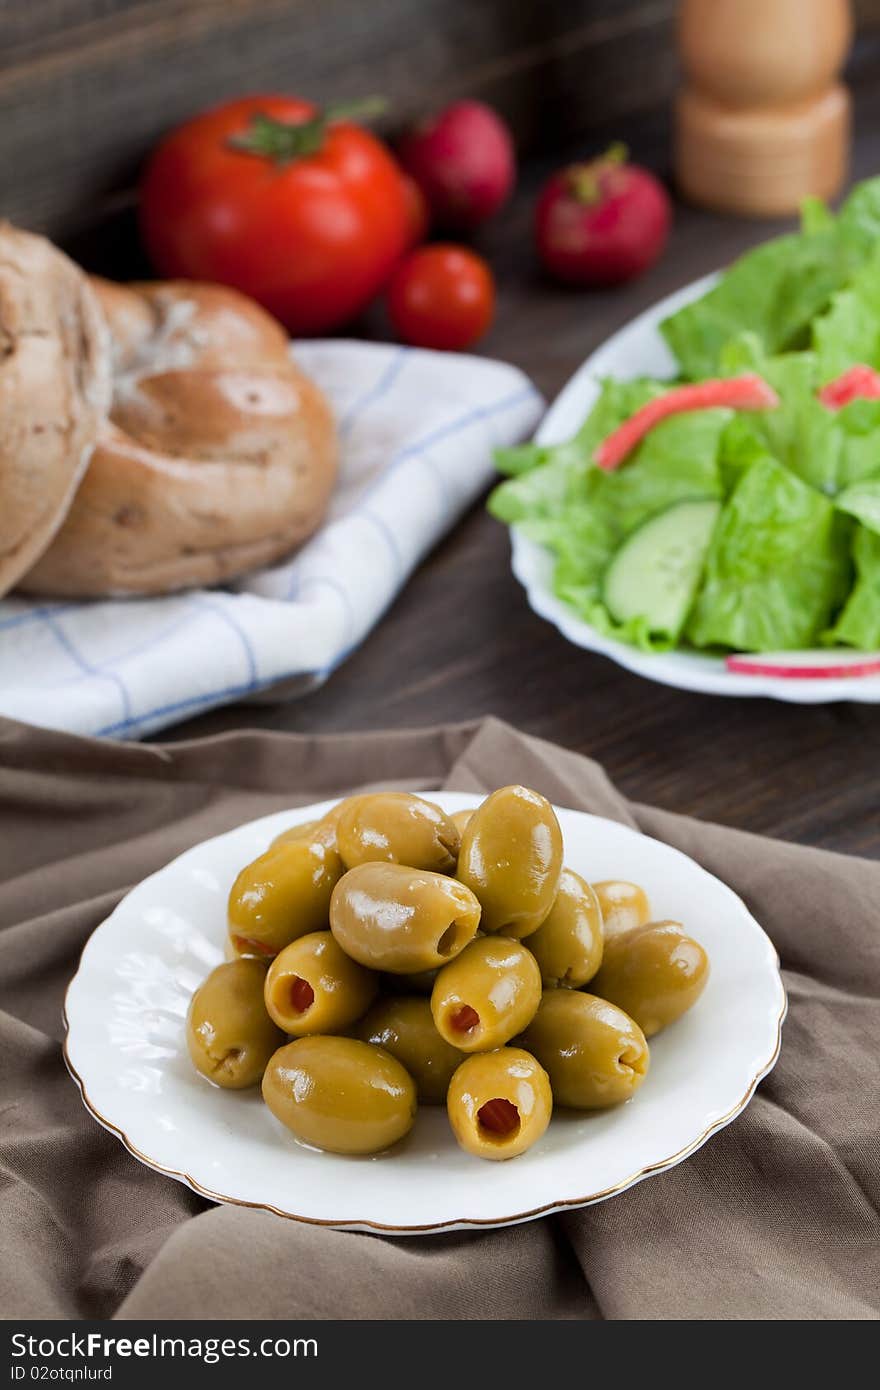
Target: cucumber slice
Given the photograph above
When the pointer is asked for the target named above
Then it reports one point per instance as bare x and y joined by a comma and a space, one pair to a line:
655, 573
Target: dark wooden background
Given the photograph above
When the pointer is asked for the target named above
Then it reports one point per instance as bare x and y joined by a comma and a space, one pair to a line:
87, 85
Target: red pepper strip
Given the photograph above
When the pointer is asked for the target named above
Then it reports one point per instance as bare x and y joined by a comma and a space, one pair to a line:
858, 383
749, 392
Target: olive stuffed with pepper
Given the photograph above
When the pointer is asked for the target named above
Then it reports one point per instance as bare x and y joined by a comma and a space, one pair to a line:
340, 1094
655, 973
594, 1053
568, 943
487, 994
389, 917
405, 1027
314, 987
229, 1035
499, 1103
282, 895
397, 828
623, 906
511, 859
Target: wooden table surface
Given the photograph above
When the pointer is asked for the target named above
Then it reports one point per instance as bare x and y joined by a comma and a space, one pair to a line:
461, 642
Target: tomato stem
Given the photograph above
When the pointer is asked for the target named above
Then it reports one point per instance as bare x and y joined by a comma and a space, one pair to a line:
284, 141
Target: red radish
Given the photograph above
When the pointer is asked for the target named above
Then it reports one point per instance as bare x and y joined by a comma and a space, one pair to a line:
464, 162
858, 383
747, 392
817, 665
602, 222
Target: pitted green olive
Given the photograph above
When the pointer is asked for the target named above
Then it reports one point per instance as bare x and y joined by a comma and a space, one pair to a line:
405, 1028
499, 1103
305, 830
486, 995
323, 829
511, 858
314, 987
229, 1034
397, 828
340, 1094
389, 917
594, 1053
282, 895
568, 944
655, 973
624, 906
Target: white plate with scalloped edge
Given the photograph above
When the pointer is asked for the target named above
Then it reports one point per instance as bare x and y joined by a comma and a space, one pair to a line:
639, 349
125, 1047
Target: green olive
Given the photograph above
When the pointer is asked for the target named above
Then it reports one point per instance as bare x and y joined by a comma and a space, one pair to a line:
624, 905
282, 895
228, 1032
487, 994
654, 972
460, 819
405, 1028
594, 1053
314, 987
568, 944
323, 829
340, 1094
511, 858
402, 920
499, 1103
397, 828
305, 830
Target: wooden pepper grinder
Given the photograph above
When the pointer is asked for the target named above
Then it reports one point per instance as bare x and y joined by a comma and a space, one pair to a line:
762, 120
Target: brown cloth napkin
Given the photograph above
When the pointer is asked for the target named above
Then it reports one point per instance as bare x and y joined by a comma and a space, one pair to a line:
776, 1217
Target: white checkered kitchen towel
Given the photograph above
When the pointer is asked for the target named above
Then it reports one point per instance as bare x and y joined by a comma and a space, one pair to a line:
417, 430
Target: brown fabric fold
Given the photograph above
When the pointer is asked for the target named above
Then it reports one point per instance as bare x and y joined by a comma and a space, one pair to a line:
776, 1217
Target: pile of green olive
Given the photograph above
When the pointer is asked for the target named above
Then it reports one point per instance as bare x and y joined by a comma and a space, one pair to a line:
390, 953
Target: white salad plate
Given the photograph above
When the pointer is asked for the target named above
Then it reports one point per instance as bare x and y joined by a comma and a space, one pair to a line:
126, 1049
639, 349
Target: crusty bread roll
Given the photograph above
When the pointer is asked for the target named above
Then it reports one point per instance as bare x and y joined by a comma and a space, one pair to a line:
219, 455
54, 392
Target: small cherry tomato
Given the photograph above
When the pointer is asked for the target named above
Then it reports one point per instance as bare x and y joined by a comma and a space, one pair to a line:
441, 296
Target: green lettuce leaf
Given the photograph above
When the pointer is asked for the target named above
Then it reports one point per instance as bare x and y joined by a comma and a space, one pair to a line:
678, 461
829, 449
583, 514
862, 501
776, 290
858, 221
546, 479
849, 331
859, 623
778, 565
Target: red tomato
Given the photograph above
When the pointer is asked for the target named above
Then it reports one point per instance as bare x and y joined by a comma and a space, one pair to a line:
308, 219
441, 297
418, 214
